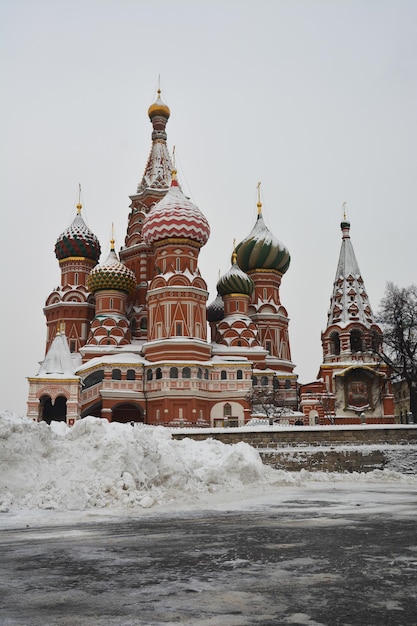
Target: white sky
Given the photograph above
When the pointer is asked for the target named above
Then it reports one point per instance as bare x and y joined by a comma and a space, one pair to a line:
316, 99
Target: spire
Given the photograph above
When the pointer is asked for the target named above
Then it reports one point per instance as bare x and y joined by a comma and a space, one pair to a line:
157, 175
58, 360
349, 301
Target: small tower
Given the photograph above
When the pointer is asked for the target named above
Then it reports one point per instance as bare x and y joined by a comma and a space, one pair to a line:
136, 254
177, 295
78, 251
354, 384
111, 283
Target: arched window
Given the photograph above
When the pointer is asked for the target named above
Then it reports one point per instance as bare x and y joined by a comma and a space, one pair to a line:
173, 372
130, 375
186, 372
227, 410
276, 383
158, 373
356, 340
93, 379
199, 373
239, 374
143, 323
116, 374
335, 343
254, 381
288, 384
149, 375
223, 375
264, 381
206, 374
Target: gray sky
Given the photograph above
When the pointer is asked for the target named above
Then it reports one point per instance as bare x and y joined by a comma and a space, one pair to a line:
315, 99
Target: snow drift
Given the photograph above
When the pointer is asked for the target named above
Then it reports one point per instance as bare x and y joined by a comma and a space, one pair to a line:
97, 464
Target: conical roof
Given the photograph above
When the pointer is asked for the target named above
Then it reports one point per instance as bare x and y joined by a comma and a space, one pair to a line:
77, 241
58, 361
157, 174
215, 310
349, 301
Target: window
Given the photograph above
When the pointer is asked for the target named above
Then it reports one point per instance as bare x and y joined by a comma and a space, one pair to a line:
111, 303
254, 381
206, 374
116, 375
223, 375
264, 381
288, 384
72, 345
143, 323
149, 375
76, 278
227, 410
237, 306
173, 372
335, 343
356, 340
268, 346
178, 264
239, 374
186, 372
158, 373
130, 375
199, 373
178, 329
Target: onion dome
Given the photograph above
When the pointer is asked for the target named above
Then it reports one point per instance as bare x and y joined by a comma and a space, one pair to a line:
235, 281
262, 250
159, 108
112, 274
175, 217
77, 240
215, 310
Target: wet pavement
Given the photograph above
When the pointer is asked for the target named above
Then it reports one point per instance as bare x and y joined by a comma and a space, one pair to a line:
309, 562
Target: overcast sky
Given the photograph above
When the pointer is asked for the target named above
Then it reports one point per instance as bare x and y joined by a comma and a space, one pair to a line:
315, 99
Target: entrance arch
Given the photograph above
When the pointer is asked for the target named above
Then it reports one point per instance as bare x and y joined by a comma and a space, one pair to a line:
127, 412
53, 412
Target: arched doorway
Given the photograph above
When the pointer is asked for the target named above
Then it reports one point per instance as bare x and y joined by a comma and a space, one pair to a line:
127, 412
53, 412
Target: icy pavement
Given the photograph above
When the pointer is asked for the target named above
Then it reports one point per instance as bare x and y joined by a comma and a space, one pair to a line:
323, 554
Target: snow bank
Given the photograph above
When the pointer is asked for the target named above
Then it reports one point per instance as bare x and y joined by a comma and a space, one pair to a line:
97, 464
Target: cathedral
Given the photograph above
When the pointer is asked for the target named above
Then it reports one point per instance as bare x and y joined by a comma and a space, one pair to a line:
133, 338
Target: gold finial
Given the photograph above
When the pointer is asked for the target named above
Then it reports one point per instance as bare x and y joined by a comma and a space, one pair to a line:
344, 211
234, 255
79, 205
112, 238
259, 203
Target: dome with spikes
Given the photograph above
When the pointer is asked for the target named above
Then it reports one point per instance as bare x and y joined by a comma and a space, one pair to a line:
215, 310
77, 240
112, 274
175, 217
159, 108
262, 250
235, 281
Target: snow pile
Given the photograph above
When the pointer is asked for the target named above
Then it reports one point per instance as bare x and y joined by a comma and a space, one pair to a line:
97, 464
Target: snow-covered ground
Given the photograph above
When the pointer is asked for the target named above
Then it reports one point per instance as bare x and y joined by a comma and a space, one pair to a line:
97, 466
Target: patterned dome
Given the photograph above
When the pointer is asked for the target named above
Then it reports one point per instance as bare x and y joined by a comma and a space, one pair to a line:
262, 250
77, 240
235, 281
175, 217
112, 274
215, 310
159, 108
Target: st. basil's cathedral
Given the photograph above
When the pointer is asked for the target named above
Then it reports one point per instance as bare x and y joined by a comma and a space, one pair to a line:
133, 338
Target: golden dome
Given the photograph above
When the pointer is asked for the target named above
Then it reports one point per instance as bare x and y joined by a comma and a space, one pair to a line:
159, 108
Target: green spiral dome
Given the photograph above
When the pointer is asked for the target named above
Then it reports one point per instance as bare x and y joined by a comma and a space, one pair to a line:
262, 250
235, 281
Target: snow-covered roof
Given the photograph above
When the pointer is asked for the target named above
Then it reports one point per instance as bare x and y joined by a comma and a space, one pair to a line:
59, 362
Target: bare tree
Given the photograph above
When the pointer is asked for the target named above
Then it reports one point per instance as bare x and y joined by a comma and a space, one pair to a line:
265, 399
398, 318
